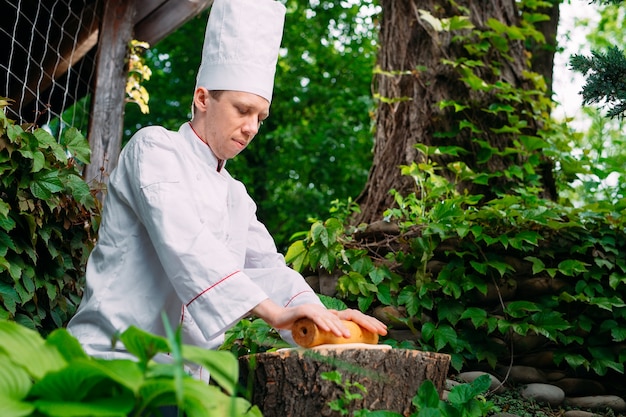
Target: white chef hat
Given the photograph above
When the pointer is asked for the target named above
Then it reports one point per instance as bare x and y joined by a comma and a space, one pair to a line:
241, 46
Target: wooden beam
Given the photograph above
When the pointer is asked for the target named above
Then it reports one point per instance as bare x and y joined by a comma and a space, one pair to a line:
167, 18
107, 113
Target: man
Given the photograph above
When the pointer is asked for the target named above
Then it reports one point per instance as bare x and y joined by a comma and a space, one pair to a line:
178, 233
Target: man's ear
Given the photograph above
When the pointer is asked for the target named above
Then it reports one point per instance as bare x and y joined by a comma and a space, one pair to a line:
201, 98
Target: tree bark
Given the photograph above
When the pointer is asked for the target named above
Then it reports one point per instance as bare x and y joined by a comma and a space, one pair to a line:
542, 60
289, 382
413, 81
105, 130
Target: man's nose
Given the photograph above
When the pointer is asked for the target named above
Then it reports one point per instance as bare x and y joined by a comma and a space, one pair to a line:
251, 127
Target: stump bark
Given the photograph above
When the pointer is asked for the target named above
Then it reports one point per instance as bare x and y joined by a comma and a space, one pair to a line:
288, 383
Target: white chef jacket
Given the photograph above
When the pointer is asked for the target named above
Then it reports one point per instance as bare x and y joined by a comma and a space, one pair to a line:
179, 236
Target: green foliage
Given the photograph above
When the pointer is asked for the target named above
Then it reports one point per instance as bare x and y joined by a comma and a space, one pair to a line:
47, 215
485, 248
453, 250
607, 1
464, 400
341, 404
250, 336
54, 377
606, 82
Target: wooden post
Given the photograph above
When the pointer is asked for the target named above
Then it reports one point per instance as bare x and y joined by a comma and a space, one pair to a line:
107, 114
289, 383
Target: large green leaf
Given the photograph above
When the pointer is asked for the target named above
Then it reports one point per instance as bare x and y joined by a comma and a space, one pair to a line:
67, 344
26, 348
106, 407
14, 386
125, 372
144, 345
202, 400
73, 383
223, 366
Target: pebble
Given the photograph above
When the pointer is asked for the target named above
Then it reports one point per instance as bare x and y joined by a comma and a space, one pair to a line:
496, 386
555, 394
544, 394
580, 413
598, 402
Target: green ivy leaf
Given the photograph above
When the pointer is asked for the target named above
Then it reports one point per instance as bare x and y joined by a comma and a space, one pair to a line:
445, 335
408, 298
80, 190
427, 396
296, 255
76, 145
47, 141
45, 184
478, 316
572, 267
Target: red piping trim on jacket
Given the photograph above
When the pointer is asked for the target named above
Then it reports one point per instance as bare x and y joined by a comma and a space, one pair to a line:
211, 287
300, 293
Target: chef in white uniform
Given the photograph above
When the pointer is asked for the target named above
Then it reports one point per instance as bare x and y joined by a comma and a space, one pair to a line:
178, 233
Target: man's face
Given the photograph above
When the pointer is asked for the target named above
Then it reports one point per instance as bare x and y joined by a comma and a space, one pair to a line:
231, 121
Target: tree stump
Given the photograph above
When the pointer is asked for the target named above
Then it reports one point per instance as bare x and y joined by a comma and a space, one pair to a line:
288, 383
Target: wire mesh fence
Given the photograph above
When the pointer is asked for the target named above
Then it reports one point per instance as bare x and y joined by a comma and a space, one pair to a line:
47, 62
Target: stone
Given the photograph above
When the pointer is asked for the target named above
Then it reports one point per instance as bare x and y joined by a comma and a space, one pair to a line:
314, 282
523, 344
555, 374
495, 386
403, 334
537, 286
580, 413
328, 283
597, 402
542, 359
502, 291
523, 374
543, 394
576, 387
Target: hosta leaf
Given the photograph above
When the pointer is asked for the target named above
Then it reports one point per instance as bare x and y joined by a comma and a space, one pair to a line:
25, 347
74, 382
144, 345
15, 384
119, 406
67, 344
222, 365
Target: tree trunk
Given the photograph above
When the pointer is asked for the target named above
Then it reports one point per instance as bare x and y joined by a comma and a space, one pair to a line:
542, 60
414, 79
289, 382
107, 114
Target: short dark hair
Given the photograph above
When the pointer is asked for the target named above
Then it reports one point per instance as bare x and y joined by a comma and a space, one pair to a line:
216, 94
